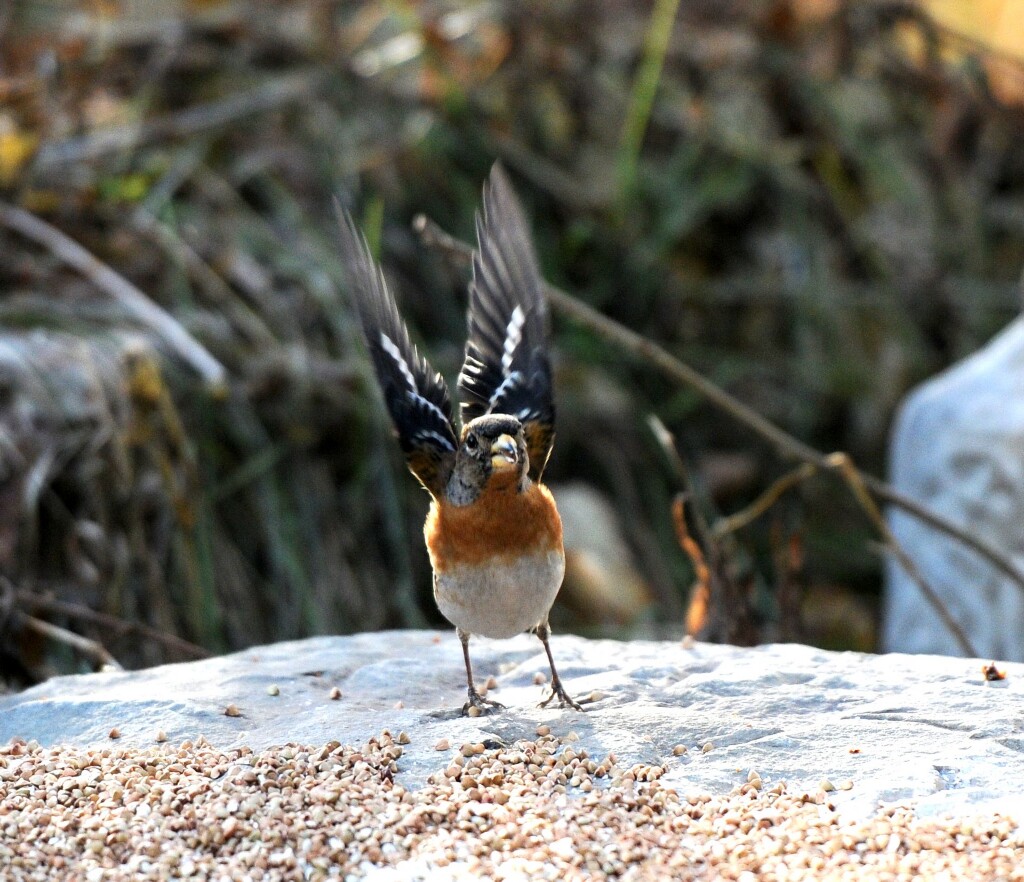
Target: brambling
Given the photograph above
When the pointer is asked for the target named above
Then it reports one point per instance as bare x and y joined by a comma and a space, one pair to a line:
493, 533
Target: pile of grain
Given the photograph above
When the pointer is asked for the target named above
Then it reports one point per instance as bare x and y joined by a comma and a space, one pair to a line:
539, 809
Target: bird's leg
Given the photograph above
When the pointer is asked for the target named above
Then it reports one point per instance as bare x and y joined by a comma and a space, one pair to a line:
557, 689
475, 698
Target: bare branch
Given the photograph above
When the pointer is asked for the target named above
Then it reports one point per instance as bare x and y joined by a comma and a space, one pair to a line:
715, 579
766, 500
700, 598
89, 648
36, 602
841, 463
117, 286
668, 446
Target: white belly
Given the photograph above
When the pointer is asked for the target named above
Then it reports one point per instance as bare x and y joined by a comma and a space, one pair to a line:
500, 600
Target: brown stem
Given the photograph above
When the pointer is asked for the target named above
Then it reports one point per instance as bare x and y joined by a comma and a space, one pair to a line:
89, 648
38, 603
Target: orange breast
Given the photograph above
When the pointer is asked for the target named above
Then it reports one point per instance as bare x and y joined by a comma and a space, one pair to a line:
501, 523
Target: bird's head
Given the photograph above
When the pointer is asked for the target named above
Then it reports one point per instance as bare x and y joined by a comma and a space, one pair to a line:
492, 454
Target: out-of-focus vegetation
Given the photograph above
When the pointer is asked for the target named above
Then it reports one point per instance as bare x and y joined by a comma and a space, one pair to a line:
817, 204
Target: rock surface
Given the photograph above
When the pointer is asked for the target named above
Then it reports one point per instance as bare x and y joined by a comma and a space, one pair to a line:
957, 448
926, 731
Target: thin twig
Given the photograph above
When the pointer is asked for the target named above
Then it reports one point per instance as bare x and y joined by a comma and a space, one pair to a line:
709, 578
843, 465
788, 560
184, 123
785, 444
117, 286
700, 600
176, 644
765, 501
667, 443
89, 648
732, 609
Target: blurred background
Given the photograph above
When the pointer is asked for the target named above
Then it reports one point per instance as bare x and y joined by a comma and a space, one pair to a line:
814, 203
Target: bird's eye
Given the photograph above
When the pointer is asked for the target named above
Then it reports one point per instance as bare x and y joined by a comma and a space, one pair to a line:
471, 442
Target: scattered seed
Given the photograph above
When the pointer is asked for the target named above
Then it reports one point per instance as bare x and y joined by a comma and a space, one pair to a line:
232, 711
333, 810
273, 689
473, 711
845, 785
443, 744
596, 695
707, 747
679, 750
403, 738
335, 693
688, 642
543, 730
161, 736
398, 705
540, 678
826, 785
114, 733
492, 683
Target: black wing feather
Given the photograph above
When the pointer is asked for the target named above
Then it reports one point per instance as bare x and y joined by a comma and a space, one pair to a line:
506, 369
416, 396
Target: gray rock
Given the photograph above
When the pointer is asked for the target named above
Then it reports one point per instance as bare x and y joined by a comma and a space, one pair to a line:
958, 448
929, 731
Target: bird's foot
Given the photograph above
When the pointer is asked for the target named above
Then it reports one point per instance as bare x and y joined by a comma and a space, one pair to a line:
564, 698
483, 705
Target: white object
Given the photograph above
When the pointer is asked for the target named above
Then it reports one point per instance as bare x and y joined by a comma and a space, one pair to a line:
958, 448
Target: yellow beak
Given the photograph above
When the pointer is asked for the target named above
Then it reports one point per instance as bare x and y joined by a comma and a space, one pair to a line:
504, 452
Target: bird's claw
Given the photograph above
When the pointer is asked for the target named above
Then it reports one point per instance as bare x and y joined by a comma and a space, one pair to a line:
564, 698
484, 705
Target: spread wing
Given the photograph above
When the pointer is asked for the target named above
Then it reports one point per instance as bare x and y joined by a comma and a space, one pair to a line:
506, 369
416, 397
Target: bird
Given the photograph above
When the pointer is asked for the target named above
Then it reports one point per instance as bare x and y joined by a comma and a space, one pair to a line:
493, 533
